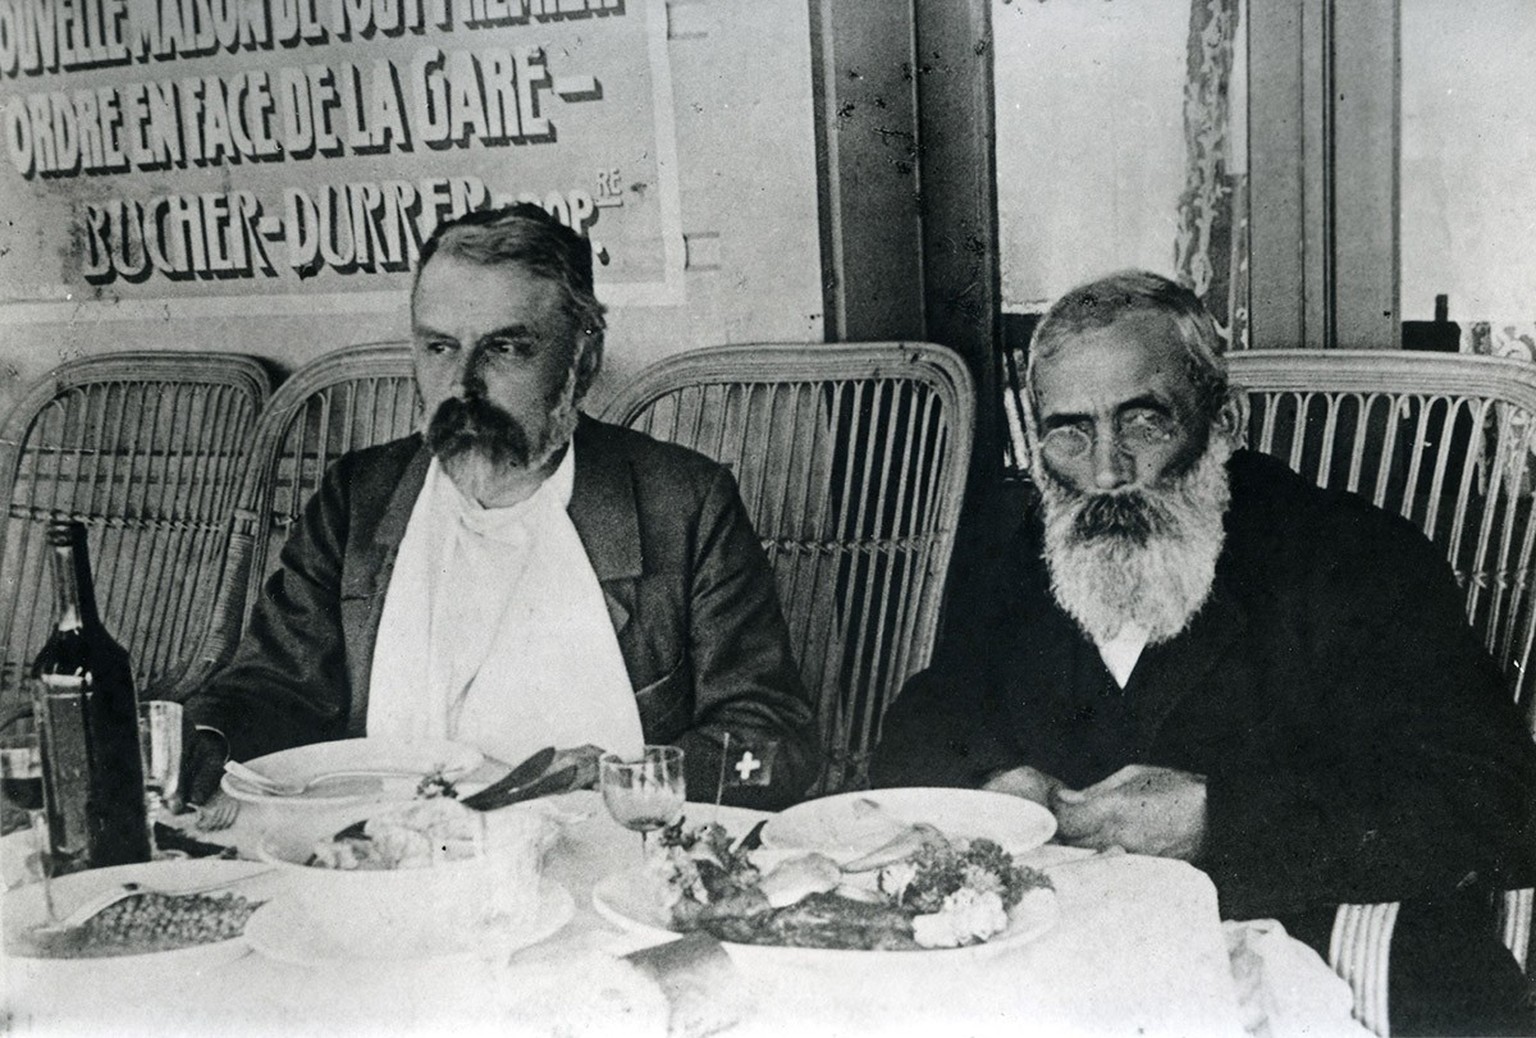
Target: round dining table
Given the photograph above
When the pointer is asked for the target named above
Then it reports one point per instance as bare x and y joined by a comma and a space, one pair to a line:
1137, 948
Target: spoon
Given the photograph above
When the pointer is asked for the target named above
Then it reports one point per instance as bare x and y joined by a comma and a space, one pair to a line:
274, 787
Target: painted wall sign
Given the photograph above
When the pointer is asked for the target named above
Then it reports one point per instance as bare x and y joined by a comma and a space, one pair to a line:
169, 149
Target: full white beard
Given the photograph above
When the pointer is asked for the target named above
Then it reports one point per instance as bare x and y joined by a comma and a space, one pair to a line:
1152, 572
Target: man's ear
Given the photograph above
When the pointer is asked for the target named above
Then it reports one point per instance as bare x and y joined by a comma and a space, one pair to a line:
1231, 422
589, 363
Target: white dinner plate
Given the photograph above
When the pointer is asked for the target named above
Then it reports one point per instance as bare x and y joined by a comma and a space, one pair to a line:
24, 908
850, 824
416, 759
628, 900
279, 930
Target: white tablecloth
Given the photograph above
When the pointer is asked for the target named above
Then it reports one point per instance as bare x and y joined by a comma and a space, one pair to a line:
1138, 949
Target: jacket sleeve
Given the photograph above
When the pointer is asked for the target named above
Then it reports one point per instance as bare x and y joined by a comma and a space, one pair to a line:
937, 733
286, 684
1404, 773
745, 679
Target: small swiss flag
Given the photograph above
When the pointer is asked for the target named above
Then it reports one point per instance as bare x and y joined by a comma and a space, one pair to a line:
746, 760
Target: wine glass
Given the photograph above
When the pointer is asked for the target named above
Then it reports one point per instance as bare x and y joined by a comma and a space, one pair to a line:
160, 747
21, 782
645, 793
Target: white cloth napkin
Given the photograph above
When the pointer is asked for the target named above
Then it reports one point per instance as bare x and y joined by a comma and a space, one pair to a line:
495, 631
1285, 988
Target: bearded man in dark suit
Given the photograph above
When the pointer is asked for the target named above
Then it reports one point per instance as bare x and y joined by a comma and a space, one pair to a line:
517, 574
1188, 650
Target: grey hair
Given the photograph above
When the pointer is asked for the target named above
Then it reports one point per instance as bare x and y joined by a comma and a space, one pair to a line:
527, 236
1101, 302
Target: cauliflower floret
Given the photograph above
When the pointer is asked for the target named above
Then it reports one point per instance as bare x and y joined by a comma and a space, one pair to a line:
982, 879
967, 917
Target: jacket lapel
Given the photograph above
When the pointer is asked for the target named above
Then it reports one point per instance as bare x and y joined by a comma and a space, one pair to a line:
606, 515
373, 554
1168, 673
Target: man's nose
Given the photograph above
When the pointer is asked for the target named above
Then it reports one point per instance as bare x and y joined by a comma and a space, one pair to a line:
1113, 466
467, 378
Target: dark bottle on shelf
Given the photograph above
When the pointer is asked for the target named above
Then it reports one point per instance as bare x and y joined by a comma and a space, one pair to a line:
89, 725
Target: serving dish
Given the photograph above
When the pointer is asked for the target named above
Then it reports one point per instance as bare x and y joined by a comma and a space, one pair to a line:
24, 908
483, 867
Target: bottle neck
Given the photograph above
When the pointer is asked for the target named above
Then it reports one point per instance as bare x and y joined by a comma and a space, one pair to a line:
67, 583
72, 582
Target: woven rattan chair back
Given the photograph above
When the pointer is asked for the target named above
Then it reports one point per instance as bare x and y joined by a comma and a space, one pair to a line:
344, 400
147, 449
852, 461
1444, 440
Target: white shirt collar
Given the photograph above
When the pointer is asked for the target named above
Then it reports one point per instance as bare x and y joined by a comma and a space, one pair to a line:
1121, 653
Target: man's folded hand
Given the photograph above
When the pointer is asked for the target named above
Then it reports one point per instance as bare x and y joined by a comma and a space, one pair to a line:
1024, 781
1144, 809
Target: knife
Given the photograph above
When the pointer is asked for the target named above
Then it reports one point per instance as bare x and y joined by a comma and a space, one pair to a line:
518, 777
521, 775
491, 797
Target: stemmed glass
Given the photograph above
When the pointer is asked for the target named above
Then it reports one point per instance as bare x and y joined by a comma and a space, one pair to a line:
21, 780
646, 793
160, 746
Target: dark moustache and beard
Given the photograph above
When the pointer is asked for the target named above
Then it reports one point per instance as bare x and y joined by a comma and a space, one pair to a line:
1143, 558
475, 440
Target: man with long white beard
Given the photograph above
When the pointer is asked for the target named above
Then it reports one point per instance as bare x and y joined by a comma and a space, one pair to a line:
1187, 650
516, 574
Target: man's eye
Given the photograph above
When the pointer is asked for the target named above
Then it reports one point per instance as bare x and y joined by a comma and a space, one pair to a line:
1147, 426
1069, 440
510, 347
439, 346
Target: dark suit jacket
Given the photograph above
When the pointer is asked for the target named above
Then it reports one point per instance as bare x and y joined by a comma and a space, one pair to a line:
687, 585
1357, 742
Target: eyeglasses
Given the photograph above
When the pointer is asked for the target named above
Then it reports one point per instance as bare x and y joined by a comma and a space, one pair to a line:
1136, 432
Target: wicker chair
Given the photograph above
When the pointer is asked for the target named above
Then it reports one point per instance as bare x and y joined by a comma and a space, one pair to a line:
852, 462
1446, 441
344, 400
147, 450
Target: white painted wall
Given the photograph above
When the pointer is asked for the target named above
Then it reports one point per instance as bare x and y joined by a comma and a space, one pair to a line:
1468, 221
1090, 140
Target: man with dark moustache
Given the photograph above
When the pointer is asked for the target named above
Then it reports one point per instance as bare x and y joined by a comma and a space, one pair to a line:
517, 574
1188, 650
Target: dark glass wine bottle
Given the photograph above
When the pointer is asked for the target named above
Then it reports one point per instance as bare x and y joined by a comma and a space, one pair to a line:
90, 728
